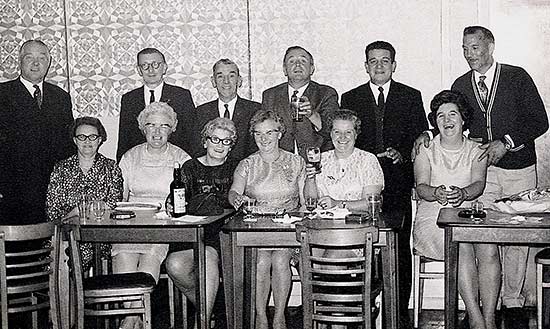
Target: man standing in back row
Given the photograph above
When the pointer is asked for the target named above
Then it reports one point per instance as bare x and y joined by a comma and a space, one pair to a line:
35, 117
317, 101
508, 116
152, 67
392, 116
227, 80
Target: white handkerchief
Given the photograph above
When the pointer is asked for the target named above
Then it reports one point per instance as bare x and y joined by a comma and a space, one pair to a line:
190, 218
332, 213
287, 219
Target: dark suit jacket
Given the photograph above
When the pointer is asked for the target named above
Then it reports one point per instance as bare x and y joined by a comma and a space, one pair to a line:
133, 103
323, 100
32, 140
244, 110
404, 120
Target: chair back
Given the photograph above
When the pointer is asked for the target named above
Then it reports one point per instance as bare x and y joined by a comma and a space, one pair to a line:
29, 267
336, 289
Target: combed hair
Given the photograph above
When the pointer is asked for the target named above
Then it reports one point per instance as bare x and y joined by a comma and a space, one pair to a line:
148, 51
289, 49
225, 61
380, 45
157, 108
90, 121
487, 34
347, 115
264, 115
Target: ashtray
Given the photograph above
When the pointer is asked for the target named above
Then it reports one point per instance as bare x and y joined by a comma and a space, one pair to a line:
358, 218
470, 213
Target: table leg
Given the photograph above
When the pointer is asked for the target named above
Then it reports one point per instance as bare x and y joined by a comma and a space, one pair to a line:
200, 259
451, 298
391, 287
226, 241
251, 294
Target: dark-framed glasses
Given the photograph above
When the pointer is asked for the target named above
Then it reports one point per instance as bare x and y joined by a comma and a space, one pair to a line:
154, 65
83, 137
269, 133
217, 140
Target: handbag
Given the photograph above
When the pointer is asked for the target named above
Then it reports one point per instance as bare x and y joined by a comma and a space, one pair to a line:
204, 204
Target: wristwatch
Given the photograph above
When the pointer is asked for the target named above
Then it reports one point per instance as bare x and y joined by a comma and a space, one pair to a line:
506, 143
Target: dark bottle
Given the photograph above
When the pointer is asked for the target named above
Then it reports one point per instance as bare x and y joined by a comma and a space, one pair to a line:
177, 192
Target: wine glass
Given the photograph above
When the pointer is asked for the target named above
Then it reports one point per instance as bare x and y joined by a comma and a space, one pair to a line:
248, 208
311, 204
98, 209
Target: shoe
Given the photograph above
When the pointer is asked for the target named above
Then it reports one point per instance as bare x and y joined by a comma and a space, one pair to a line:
515, 318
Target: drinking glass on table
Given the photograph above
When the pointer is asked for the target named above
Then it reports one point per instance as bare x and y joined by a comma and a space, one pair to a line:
248, 207
374, 202
97, 208
311, 204
313, 154
83, 207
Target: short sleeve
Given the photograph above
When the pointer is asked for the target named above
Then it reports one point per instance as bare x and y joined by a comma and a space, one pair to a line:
243, 168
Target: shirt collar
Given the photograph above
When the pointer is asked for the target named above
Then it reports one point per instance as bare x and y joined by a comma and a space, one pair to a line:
157, 90
375, 90
230, 107
489, 75
30, 86
301, 90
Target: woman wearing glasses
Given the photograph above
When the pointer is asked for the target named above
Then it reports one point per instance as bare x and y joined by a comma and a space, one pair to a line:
275, 179
148, 170
210, 173
88, 173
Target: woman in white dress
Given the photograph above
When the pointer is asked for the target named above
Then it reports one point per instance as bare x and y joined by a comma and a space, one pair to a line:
448, 173
147, 170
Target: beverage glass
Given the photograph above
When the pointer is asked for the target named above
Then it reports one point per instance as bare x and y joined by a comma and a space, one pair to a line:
98, 209
248, 207
314, 157
83, 207
295, 103
374, 202
311, 204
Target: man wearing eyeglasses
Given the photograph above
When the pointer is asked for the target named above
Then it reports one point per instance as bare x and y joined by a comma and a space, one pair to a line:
227, 80
35, 117
152, 66
314, 102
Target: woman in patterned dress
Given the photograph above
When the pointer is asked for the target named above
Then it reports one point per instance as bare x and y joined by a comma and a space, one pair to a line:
275, 179
87, 173
148, 171
448, 173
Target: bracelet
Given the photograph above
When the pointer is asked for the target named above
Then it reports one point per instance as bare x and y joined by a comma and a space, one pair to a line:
465, 192
435, 192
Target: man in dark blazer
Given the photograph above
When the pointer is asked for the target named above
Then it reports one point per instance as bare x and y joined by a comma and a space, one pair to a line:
35, 120
227, 80
392, 116
152, 66
317, 101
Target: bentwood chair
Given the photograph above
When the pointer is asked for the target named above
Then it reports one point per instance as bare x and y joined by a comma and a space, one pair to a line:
419, 269
104, 295
542, 259
336, 290
29, 261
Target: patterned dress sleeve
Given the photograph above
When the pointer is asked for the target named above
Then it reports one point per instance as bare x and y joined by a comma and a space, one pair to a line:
54, 197
114, 185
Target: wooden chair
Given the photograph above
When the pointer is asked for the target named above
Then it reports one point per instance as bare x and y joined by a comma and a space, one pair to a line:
172, 290
29, 261
542, 259
419, 269
103, 295
336, 290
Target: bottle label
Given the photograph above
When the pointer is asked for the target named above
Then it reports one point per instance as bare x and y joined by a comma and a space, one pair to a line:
179, 201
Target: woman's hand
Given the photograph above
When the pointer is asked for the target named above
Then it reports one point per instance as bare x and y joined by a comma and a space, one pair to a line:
235, 199
310, 171
440, 195
327, 202
456, 196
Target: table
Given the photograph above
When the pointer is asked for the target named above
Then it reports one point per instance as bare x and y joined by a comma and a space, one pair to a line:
236, 236
146, 229
495, 228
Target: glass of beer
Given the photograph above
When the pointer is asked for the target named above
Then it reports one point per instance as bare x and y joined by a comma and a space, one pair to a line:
314, 157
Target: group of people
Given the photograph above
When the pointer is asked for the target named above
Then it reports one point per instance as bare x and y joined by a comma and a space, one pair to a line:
375, 141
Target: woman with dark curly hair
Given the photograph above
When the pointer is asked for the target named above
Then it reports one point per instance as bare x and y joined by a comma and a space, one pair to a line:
449, 172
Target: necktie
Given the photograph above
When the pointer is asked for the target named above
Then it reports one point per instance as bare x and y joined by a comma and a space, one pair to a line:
483, 90
226, 112
152, 98
379, 120
37, 96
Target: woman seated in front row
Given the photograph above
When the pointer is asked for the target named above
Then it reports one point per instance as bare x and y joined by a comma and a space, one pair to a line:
275, 179
448, 173
148, 171
211, 173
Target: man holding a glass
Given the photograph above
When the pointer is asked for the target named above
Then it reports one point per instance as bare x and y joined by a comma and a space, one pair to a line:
303, 104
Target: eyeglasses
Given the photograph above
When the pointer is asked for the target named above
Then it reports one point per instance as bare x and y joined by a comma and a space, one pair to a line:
83, 137
154, 65
162, 127
269, 133
217, 140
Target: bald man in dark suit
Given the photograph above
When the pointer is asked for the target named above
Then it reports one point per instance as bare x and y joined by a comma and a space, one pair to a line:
227, 80
35, 120
152, 67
